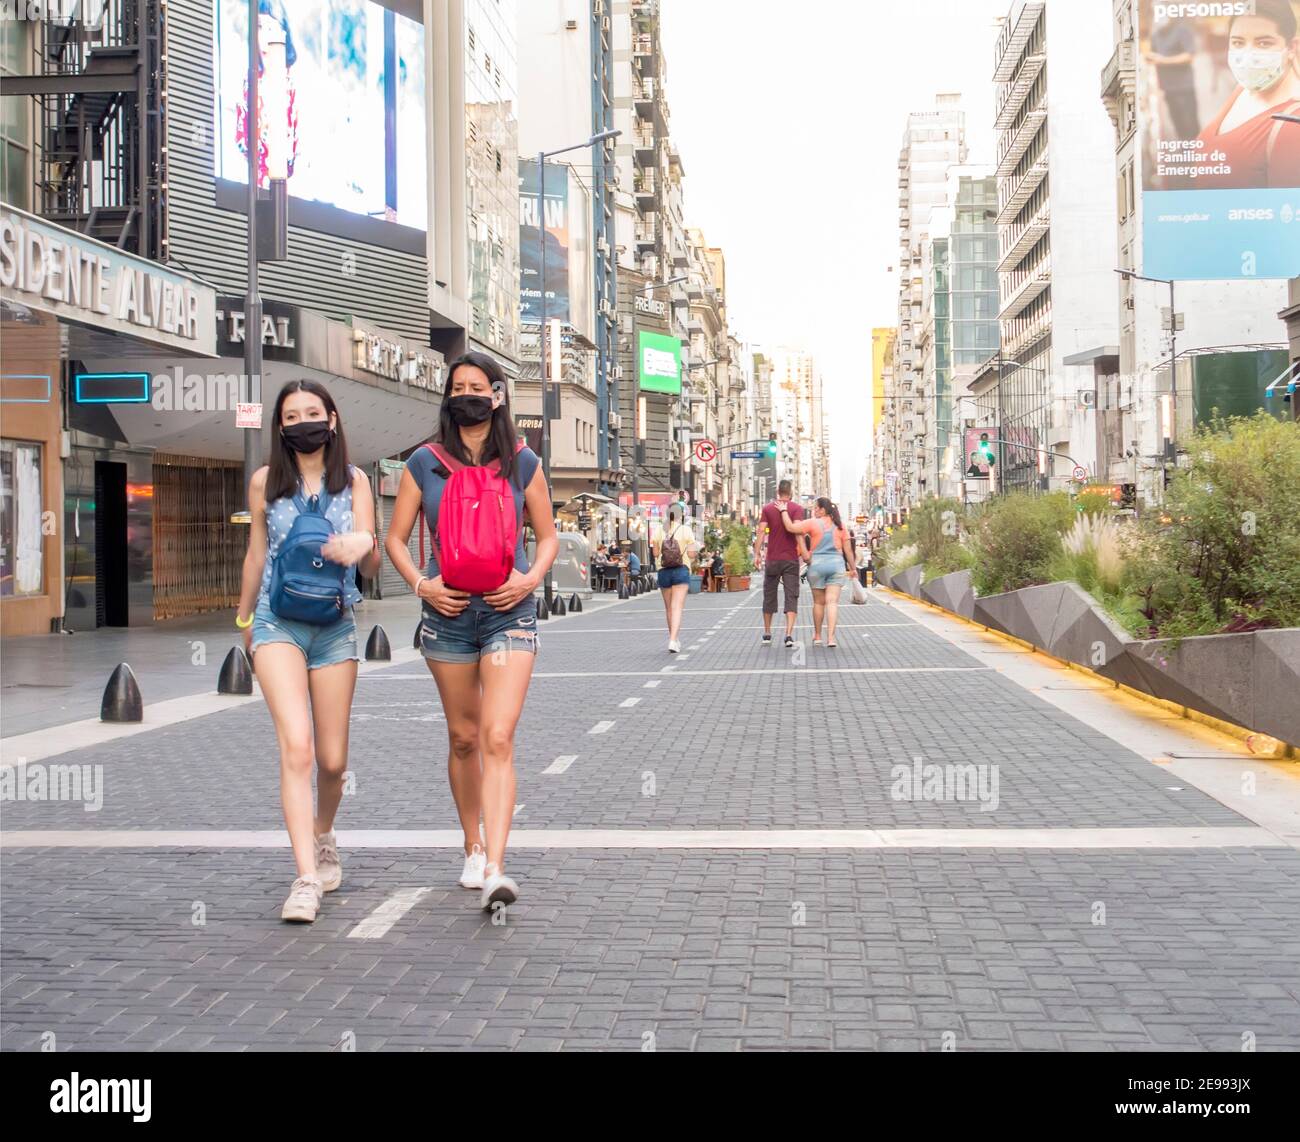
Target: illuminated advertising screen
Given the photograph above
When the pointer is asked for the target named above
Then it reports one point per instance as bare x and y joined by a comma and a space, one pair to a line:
659, 363
342, 100
557, 243
1220, 170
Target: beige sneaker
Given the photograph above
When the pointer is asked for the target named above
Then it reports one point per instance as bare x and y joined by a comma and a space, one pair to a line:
328, 866
304, 901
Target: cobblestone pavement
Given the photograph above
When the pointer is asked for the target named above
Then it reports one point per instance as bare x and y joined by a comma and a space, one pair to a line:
998, 946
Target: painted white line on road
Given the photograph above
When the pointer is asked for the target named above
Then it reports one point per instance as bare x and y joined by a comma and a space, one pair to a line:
665, 669
559, 765
388, 913
1198, 837
601, 728
628, 703
651, 685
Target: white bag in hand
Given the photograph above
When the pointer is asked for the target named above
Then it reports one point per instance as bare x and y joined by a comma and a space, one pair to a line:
859, 592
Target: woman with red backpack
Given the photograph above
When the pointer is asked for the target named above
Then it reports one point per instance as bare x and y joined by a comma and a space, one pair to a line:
474, 484
313, 519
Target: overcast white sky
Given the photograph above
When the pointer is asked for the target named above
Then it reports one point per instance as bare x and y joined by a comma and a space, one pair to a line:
789, 115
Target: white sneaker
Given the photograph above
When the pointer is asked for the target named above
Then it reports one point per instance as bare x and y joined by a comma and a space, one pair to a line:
471, 876
328, 866
304, 901
674, 647
498, 889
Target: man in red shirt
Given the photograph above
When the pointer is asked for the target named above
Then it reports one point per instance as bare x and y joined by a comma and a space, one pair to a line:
784, 552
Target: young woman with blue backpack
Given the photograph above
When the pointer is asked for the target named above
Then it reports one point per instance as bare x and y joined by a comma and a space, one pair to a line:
471, 487
313, 521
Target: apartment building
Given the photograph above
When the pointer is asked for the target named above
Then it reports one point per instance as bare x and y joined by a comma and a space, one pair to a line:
566, 95
933, 141
1057, 257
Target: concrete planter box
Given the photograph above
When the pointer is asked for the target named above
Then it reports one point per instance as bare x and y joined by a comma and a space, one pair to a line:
882, 577
952, 593
909, 581
1252, 680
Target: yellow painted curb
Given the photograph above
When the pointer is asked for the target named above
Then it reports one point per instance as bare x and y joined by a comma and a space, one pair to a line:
1241, 733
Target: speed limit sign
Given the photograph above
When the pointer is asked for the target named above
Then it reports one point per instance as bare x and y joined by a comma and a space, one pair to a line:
706, 451
1080, 474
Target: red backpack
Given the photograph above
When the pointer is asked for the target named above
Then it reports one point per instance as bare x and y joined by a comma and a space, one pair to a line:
478, 528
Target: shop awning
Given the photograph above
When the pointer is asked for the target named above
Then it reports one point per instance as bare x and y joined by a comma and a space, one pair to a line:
1285, 385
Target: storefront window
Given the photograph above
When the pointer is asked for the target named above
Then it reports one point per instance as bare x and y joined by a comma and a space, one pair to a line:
20, 519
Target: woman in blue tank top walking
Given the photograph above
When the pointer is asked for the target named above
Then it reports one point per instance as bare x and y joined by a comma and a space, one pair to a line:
829, 568
480, 648
308, 670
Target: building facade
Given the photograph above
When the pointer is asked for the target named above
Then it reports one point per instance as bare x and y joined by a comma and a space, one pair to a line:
933, 142
1228, 328
1056, 254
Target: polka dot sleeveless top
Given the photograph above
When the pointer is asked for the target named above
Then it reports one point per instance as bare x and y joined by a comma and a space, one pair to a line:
280, 515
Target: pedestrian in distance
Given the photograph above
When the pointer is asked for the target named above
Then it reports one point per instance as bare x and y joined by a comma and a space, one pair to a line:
313, 520
675, 553
478, 630
830, 566
781, 561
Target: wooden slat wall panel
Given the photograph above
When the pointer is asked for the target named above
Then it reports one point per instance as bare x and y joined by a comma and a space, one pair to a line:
198, 554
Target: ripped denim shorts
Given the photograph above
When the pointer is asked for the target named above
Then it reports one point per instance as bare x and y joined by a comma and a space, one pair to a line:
478, 631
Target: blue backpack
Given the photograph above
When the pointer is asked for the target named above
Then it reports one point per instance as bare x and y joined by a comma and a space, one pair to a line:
305, 586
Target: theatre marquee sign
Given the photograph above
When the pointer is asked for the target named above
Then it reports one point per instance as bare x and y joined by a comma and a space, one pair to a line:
77, 279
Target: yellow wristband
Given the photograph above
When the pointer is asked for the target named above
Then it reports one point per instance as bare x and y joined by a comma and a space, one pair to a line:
243, 624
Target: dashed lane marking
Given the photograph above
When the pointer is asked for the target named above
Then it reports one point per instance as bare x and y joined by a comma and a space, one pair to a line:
388, 913
559, 765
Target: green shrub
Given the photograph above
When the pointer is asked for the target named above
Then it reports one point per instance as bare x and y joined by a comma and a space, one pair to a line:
952, 557
738, 556
935, 525
1224, 552
1016, 539
898, 559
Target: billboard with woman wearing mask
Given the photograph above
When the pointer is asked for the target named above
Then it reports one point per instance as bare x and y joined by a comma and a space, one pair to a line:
1221, 170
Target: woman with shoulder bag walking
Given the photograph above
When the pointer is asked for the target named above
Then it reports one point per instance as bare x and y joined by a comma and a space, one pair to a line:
675, 552
313, 518
479, 628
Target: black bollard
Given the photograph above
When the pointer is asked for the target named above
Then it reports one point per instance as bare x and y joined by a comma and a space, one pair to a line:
558, 609
622, 589
122, 701
575, 604
543, 611
236, 675
377, 648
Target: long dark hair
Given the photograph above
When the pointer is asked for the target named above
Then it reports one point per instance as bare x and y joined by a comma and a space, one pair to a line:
831, 510
283, 475
1279, 11
503, 438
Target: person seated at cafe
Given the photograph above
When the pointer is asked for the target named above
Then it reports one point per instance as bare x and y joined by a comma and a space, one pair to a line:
718, 568
633, 563
705, 567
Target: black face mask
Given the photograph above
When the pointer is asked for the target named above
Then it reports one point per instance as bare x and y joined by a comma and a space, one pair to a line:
306, 435
469, 410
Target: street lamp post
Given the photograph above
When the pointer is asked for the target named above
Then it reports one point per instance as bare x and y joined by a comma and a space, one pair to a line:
252, 298
1173, 340
542, 156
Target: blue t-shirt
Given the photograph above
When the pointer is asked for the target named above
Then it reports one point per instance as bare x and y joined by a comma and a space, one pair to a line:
634, 563
426, 471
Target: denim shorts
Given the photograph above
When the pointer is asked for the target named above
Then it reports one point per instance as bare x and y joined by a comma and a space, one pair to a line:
320, 646
674, 577
478, 632
826, 571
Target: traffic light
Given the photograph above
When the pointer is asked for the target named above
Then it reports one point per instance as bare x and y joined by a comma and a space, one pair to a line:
771, 444
986, 450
